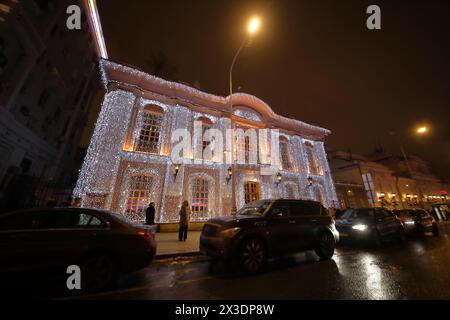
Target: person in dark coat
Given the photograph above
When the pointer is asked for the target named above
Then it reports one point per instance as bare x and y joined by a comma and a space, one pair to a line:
185, 216
150, 214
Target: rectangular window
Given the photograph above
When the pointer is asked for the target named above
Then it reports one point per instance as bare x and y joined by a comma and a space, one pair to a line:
246, 147
138, 196
148, 140
313, 165
205, 143
200, 194
368, 185
285, 156
251, 191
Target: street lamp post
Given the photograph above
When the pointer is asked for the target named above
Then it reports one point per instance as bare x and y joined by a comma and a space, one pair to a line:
253, 26
420, 131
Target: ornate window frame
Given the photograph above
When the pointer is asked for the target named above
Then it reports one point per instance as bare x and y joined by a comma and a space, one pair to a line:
146, 105
125, 188
287, 153
211, 194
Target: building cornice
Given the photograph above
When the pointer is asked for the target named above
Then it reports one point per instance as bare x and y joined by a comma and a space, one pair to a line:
125, 76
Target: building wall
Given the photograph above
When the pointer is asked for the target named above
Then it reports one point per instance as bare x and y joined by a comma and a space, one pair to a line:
47, 77
112, 158
390, 186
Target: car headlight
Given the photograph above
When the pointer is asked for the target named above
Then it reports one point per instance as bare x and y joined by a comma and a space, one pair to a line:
229, 233
359, 227
409, 222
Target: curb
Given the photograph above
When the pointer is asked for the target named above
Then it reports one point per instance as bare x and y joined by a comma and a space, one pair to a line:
177, 255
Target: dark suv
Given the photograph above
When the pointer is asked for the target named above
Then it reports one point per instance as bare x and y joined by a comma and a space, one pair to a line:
270, 228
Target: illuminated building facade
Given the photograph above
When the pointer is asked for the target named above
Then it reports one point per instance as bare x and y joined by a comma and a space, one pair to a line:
129, 164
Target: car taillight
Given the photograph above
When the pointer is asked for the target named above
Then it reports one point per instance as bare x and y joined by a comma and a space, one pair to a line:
144, 235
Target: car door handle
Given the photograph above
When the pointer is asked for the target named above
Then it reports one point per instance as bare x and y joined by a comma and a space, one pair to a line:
292, 221
315, 220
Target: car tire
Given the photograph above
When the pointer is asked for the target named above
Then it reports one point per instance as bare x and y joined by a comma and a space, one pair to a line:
252, 255
377, 240
98, 271
435, 230
401, 235
325, 246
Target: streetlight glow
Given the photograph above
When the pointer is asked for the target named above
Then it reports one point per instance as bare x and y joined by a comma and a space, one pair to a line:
253, 25
422, 130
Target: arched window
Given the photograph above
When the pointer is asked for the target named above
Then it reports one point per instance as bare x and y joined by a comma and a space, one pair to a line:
251, 191
200, 197
246, 145
139, 190
285, 156
201, 143
150, 132
313, 165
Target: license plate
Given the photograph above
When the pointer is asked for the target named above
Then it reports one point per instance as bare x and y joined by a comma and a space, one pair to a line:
343, 234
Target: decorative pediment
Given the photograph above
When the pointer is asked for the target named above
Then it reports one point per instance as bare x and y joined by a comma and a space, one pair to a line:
247, 114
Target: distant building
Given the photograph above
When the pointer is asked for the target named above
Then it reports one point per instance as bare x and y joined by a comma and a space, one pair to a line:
48, 75
386, 180
129, 164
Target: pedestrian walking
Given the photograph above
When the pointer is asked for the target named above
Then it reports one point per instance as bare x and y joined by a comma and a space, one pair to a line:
185, 215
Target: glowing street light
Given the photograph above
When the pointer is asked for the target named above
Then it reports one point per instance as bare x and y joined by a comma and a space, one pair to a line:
253, 25
422, 130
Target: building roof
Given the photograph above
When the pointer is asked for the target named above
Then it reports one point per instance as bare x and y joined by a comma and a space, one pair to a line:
113, 72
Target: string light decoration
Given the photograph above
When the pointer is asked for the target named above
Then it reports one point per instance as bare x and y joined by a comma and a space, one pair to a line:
247, 114
99, 169
110, 162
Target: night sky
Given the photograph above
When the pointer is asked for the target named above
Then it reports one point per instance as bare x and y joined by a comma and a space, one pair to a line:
313, 60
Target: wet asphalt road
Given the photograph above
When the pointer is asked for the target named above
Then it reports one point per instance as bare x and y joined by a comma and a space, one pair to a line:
418, 268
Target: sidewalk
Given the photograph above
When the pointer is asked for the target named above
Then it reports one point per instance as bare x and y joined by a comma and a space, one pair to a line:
168, 244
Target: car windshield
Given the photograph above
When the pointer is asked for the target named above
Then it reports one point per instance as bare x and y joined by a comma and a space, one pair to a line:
121, 217
418, 214
256, 208
412, 213
355, 214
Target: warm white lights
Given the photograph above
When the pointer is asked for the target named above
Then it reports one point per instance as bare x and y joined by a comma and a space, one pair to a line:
111, 159
253, 25
422, 130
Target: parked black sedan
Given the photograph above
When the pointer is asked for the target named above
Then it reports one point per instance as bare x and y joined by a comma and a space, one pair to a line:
417, 221
101, 243
369, 226
270, 228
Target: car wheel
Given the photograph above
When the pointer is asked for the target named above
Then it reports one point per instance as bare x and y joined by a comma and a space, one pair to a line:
253, 255
98, 272
325, 247
435, 230
401, 234
377, 241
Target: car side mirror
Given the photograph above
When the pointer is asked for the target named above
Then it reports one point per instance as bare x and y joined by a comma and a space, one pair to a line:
277, 213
